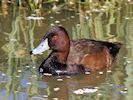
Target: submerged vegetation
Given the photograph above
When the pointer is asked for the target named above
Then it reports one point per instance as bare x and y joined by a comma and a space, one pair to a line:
91, 14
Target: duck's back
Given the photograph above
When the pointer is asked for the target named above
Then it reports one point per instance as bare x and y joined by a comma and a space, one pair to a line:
92, 54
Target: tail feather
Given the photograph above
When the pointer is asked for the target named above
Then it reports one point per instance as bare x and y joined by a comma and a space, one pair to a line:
113, 47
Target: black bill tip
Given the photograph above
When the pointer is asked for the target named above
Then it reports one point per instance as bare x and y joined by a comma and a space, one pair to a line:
31, 53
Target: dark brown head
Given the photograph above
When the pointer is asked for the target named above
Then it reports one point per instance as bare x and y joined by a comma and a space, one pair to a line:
56, 39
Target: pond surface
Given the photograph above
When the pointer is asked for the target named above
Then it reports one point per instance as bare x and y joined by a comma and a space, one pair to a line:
21, 30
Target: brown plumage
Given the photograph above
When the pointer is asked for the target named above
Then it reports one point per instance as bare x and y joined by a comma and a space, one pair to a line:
79, 56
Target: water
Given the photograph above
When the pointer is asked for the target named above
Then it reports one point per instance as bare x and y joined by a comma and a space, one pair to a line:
21, 30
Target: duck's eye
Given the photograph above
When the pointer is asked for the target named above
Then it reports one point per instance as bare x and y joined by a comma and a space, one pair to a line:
55, 37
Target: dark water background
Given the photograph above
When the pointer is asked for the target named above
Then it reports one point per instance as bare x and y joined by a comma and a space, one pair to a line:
21, 30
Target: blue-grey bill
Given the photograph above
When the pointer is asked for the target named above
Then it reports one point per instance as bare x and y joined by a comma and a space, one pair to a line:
43, 46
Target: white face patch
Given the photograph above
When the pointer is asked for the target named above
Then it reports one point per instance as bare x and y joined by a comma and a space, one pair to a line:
43, 46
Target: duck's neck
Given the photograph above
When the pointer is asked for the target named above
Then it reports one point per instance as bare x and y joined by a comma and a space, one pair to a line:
62, 56
63, 52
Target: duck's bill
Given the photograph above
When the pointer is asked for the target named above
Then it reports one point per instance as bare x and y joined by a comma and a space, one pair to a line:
43, 46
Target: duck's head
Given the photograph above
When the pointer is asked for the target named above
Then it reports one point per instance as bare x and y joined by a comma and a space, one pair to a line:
56, 39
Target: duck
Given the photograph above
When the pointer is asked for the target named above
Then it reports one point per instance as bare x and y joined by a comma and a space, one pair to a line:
70, 57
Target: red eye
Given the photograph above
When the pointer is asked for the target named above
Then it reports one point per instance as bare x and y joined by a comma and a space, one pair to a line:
55, 37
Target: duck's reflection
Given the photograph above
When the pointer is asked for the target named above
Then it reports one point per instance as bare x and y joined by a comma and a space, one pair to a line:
62, 87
